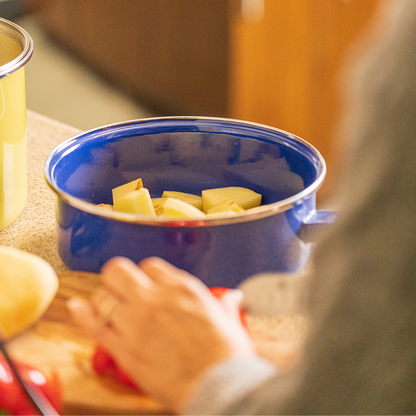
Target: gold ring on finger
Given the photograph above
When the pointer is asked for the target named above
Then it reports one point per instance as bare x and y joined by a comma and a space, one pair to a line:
106, 308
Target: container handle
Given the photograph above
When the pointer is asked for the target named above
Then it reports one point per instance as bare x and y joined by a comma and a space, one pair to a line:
312, 227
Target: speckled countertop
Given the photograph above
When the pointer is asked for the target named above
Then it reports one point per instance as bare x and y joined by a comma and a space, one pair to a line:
34, 230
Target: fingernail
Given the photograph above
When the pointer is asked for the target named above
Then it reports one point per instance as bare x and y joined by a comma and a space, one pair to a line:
74, 303
235, 294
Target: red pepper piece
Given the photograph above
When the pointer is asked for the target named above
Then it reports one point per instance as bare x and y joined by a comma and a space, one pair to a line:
104, 364
12, 397
123, 378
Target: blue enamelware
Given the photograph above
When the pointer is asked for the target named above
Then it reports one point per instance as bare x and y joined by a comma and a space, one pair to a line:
188, 154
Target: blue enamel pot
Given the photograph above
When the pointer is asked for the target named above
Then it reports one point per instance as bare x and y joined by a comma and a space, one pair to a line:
188, 154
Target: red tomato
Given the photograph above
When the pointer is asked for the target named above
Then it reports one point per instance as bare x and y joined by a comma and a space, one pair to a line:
12, 397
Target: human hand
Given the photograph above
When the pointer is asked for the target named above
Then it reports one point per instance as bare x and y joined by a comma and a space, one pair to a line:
167, 329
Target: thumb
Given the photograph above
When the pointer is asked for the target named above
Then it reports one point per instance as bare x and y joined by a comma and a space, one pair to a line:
232, 300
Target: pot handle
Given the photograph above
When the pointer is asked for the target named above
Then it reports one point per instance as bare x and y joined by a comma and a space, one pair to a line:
315, 224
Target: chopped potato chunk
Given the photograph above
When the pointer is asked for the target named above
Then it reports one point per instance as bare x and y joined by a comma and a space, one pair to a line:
226, 206
28, 284
244, 197
136, 202
192, 199
158, 205
127, 187
175, 208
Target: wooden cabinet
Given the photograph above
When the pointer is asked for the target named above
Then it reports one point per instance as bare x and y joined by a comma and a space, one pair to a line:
170, 54
276, 64
285, 68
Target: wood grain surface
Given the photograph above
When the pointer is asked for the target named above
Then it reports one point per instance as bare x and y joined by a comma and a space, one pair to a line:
56, 344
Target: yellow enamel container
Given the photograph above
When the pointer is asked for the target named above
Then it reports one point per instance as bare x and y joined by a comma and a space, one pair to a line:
16, 48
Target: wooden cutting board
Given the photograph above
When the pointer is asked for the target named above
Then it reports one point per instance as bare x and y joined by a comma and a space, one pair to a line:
56, 344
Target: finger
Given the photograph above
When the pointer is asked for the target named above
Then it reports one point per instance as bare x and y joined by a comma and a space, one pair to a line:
83, 313
98, 297
162, 271
232, 300
104, 303
123, 317
122, 276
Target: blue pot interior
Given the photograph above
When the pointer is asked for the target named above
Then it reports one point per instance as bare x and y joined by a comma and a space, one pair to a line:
187, 155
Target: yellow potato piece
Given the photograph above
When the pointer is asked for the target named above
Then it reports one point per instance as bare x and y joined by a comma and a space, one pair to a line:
28, 284
244, 197
175, 208
127, 187
226, 206
192, 199
136, 202
158, 205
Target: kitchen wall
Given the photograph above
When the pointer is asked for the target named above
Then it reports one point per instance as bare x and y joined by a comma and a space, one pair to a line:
269, 61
